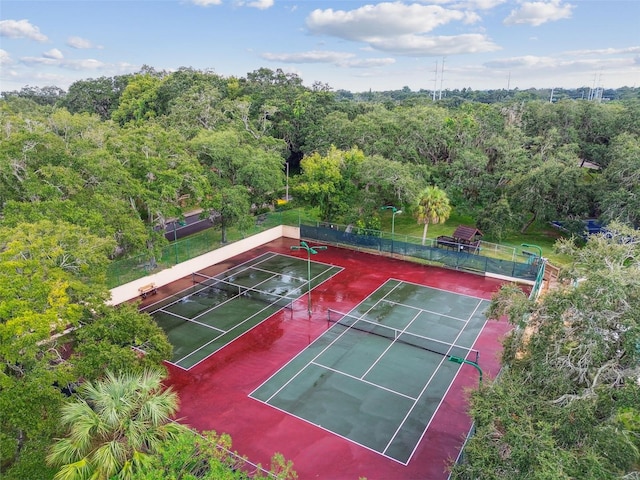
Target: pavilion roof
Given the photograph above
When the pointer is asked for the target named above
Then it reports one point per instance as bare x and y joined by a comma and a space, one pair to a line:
464, 232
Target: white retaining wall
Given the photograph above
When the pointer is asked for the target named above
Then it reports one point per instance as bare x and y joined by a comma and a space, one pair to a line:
129, 290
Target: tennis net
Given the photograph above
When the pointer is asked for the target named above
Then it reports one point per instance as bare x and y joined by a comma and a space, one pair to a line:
217, 286
425, 343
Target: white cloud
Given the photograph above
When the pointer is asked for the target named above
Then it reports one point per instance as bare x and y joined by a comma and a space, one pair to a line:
561, 71
418, 45
54, 58
315, 56
369, 62
78, 42
383, 19
259, 4
54, 54
537, 13
470, 4
570, 60
605, 51
483, 4
205, 3
21, 29
84, 64
340, 59
5, 58
523, 61
38, 61
400, 28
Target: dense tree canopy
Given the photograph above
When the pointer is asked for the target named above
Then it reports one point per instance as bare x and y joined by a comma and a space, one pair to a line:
115, 426
567, 404
93, 175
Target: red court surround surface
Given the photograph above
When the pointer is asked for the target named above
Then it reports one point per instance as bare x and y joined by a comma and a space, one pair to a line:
214, 394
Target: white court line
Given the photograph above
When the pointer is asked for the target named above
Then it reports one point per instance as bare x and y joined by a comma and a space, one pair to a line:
227, 331
425, 388
304, 367
393, 341
330, 267
361, 379
148, 307
239, 295
314, 362
347, 439
189, 320
211, 309
439, 289
280, 274
452, 381
424, 310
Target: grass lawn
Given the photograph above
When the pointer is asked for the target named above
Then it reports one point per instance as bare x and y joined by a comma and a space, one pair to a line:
122, 271
542, 235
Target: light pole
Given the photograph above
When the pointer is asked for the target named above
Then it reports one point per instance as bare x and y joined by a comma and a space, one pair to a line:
286, 196
461, 360
394, 212
310, 251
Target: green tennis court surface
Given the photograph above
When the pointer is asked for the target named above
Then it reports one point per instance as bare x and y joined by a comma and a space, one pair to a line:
202, 319
378, 375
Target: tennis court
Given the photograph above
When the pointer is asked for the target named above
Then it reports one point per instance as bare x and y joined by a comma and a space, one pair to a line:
380, 372
339, 429
215, 310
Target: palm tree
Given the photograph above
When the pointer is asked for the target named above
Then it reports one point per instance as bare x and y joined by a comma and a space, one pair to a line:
432, 207
114, 425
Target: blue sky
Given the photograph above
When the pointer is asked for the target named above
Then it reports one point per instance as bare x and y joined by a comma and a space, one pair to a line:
348, 44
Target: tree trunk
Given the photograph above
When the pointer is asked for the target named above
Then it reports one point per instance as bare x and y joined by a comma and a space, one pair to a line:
424, 232
528, 224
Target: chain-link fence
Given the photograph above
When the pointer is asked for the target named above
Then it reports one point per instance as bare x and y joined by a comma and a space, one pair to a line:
137, 266
461, 257
489, 257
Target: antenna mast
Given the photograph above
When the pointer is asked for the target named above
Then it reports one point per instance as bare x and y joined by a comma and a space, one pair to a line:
441, 79
435, 82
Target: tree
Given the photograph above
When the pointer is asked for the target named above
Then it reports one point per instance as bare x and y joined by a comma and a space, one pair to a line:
567, 403
139, 100
621, 196
387, 182
51, 278
327, 182
100, 96
114, 426
432, 206
42, 96
233, 206
198, 108
208, 456
496, 220
551, 190
163, 172
121, 339
241, 174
